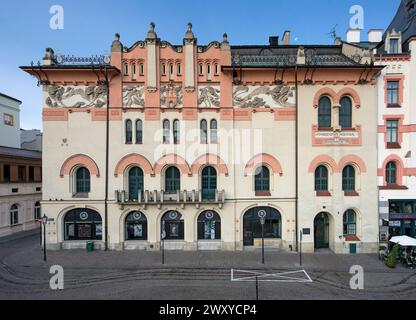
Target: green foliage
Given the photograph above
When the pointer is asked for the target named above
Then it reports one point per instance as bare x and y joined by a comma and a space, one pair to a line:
392, 259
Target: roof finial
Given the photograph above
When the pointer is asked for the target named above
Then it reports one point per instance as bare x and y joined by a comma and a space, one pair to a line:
152, 34
225, 38
117, 37
189, 34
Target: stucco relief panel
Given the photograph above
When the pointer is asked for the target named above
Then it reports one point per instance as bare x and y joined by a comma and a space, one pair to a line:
278, 96
133, 96
75, 96
209, 96
171, 96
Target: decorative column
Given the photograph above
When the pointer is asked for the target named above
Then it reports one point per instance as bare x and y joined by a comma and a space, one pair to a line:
189, 43
152, 41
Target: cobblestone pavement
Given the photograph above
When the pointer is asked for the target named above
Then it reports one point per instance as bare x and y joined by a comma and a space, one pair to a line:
190, 275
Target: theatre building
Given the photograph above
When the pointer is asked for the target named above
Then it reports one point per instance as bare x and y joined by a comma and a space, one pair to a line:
203, 140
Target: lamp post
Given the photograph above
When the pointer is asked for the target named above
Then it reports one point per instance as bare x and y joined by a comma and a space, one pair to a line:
163, 236
262, 216
44, 222
300, 248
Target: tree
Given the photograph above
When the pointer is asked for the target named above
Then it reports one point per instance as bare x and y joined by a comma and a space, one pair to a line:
392, 259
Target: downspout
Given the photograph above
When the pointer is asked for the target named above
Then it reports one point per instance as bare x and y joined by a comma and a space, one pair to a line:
107, 147
296, 159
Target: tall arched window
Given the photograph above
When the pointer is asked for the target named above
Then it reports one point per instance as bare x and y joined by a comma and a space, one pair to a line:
172, 180
209, 226
204, 132
345, 113
213, 127
136, 226
139, 131
324, 113
166, 131
348, 178
262, 179
172, 225
129, 131
83, 180
135, 183
350, 223
391, 173
37, 212
14, 215
176, 132
209, 183
321, 179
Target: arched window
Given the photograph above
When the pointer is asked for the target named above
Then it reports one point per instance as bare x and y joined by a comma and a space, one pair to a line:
176, 132
83, 180
136, 226
37, 212
172, 180
141, 69
350, 223
134, 71
324, 113
252, 228
348, 178
172, 226
209, 226
163, 69
345, 113
129, 131
83, 224
139, 131
135, 183
126, 69
14, 215
178, 69
214, 128
209, 183
204, 132
391, 173
321, 179
166, 131
262, 179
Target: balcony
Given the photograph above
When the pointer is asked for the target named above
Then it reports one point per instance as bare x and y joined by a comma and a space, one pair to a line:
182, 198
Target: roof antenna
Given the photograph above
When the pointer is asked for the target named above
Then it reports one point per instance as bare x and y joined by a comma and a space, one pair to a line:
333, 32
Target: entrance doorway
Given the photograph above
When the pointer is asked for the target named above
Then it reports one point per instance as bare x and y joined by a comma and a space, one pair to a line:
321, 233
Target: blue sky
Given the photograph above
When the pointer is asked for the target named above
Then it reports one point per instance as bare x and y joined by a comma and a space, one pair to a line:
90, 26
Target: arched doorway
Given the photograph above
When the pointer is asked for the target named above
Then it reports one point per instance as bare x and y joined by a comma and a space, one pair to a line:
172, 226
252, 226
209, 183
83, 224
136, 226
209, 226
321, 231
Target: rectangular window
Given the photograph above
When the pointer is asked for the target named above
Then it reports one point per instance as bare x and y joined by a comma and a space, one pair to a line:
134, 72
216, 69
163, 69
22, 173
6, 173
394, 46
200, 69
392, 131
141, 69
179, 69
31, 174
8, 119
392, 92
126, 69
14, 217
171, 72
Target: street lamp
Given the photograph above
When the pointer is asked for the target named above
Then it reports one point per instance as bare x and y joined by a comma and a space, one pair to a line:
300, 248
262, 216
163, 236
44, 222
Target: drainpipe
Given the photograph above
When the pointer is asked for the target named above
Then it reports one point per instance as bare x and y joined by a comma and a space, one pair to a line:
296, 158
107, 145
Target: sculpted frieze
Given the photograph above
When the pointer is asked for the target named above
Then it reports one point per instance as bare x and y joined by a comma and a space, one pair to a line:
76, 96
278, 96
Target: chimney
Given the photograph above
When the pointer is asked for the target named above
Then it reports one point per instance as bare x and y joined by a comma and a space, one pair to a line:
375, 35
354, 35
286, 38
274, 41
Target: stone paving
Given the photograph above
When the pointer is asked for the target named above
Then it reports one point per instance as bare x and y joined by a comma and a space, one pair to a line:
189, 275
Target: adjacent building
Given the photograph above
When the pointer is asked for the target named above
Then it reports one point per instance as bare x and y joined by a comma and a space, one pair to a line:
206, 142
20, 174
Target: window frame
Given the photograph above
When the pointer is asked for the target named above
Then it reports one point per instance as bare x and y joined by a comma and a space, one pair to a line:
391, 172
82, 185
10, 121
345, 113
393, 92
176, 128
166, 131
128, 131
349, 223
262, 179
203, 130
172, 180
321, 179
213, 131
139, 131
14, 214
349, 178
324, 113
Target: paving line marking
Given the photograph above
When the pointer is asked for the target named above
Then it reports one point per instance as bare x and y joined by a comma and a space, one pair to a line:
280, 276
